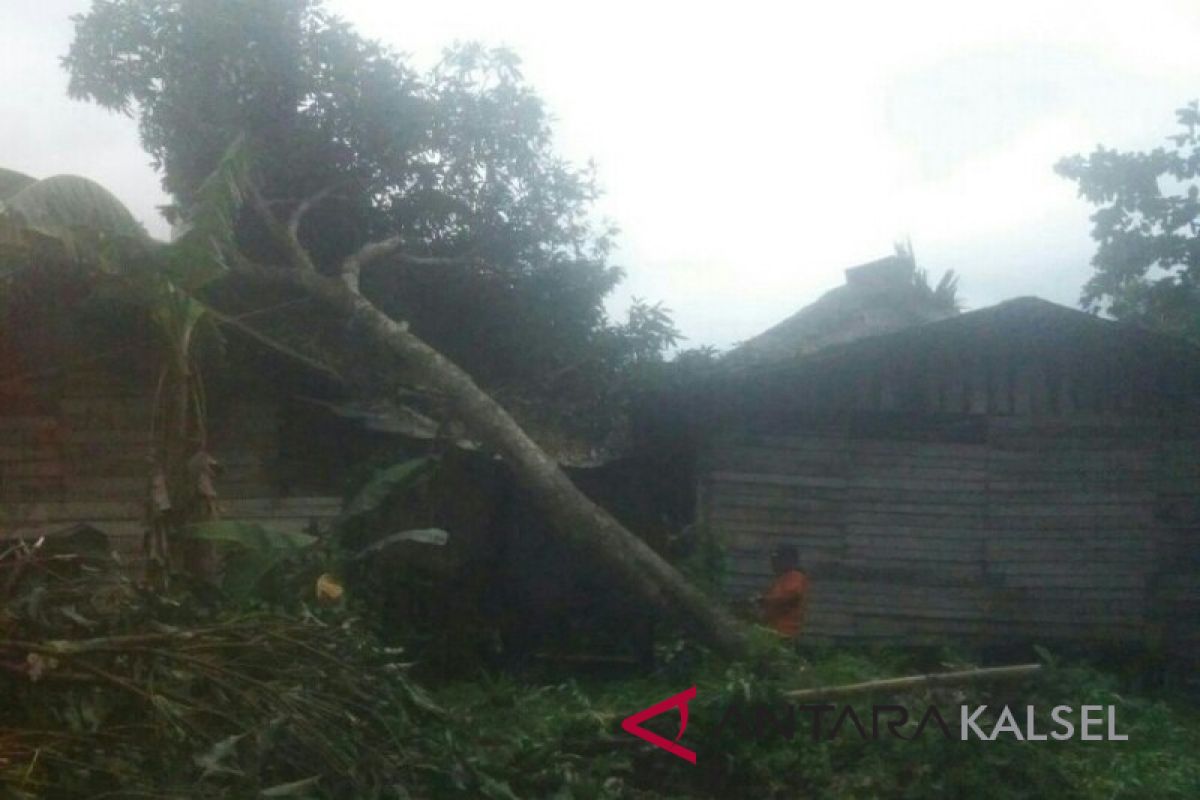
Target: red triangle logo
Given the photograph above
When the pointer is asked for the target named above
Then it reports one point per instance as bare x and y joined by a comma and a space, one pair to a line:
633, 724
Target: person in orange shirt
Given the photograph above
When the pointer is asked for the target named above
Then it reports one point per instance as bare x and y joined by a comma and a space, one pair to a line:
785, 603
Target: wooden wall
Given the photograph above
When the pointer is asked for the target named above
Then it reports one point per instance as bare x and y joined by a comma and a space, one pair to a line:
985, 527
82, 457
993, 377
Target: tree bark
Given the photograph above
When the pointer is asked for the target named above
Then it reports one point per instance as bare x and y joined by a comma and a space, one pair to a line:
572, 513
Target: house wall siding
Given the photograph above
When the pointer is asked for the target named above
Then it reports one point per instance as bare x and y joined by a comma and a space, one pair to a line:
84, 459
993, 528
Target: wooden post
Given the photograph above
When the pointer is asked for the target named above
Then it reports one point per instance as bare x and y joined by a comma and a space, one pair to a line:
916, 682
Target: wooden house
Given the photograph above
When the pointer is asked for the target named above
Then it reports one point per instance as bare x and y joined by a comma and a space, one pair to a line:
80, 406
1024, 472
79, 382
77, 432
77, 427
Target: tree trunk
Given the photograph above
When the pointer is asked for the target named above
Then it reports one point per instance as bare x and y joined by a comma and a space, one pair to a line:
573, 515
197, 558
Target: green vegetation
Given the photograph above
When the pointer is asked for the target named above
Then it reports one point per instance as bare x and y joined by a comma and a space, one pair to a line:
1148, 206
266, 681
113, 691
495, 256
564, 740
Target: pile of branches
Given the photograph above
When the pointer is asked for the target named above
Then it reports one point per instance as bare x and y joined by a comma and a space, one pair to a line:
111, 690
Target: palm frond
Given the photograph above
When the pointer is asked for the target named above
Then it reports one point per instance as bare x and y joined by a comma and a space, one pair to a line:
195, 257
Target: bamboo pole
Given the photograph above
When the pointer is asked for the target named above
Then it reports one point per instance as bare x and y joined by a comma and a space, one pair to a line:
917, 681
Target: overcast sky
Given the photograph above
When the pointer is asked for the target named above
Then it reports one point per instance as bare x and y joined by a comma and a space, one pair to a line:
750, 152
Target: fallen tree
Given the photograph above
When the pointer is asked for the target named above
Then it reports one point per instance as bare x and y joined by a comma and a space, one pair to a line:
360, 160
210, 246
573, 514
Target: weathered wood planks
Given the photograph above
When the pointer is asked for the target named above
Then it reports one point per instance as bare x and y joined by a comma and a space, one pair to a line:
1049, 528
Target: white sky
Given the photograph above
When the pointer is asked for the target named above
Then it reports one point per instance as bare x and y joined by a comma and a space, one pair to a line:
751, 151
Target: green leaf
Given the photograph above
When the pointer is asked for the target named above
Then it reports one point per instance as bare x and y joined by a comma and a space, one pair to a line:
386, 482
253, 551
436, 537
250, 535
195, 257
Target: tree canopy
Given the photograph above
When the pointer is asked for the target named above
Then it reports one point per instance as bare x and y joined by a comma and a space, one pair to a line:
466, 181
1147, 225
497, 259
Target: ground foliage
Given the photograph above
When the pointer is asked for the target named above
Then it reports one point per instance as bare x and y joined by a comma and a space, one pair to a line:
563, 739
112, 691
270, 685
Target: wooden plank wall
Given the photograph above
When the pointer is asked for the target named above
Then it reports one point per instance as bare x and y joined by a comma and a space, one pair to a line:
1072, 528
87, 462
1051, 529
997, 378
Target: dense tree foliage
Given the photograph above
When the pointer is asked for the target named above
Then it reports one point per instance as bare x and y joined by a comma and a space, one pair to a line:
505, 270
477, 188
1148, 229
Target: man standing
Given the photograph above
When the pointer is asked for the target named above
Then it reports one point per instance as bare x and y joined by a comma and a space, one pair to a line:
786, 601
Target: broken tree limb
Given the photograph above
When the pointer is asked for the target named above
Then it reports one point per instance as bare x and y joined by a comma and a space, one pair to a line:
306, 205
279, 347
916, 682
573, 515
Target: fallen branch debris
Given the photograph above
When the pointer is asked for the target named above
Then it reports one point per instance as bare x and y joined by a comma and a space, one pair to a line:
917, 682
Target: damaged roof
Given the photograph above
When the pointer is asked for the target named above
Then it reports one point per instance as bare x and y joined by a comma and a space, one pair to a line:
879, 297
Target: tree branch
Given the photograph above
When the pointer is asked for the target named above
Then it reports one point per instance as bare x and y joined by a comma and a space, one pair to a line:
352, 266
296, 255
438, 261
389, 248
571, 513
279, 347
306, 205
